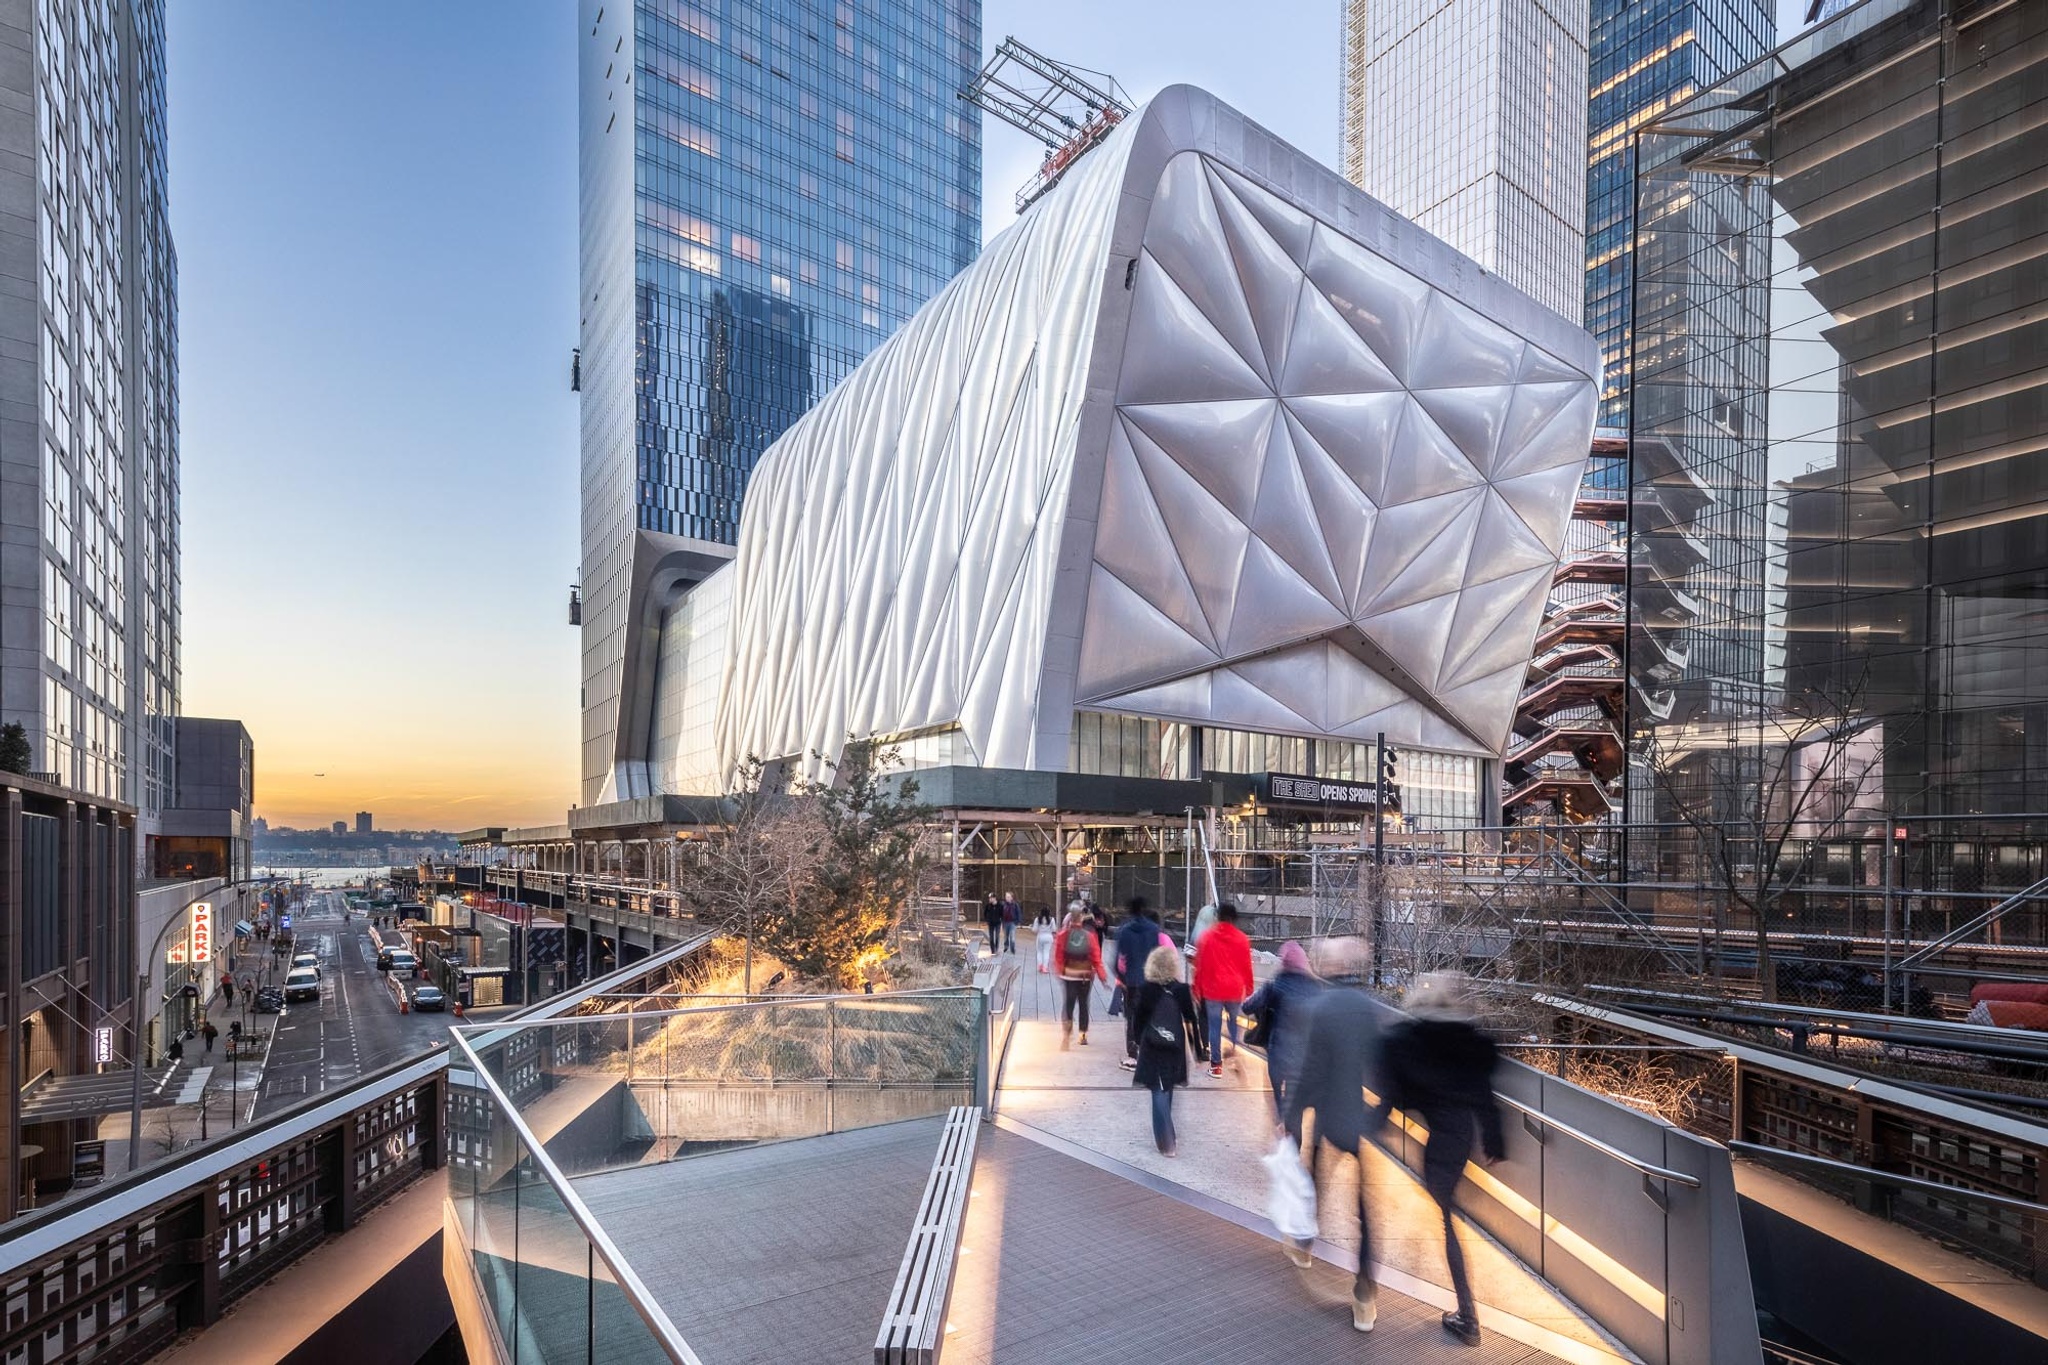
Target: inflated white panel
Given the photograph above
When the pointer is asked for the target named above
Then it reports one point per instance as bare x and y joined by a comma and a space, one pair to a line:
1176, 445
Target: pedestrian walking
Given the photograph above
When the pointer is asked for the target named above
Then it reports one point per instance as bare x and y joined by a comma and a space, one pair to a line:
1012, 913
227, 988
1205, 920
1169, 1029
1042, 929
1279, 1012
992, 921
1438, 1065
1135, 942
1337, 1059
1223, 978
207, 1033
176, 1051
1077, 957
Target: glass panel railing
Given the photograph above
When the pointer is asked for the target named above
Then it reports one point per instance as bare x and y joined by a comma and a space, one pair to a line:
631, 1088
551, 1285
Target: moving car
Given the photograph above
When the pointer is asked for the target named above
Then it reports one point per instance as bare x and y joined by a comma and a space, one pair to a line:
402, 962
306, 960
428, 998
302, 983
270, 1000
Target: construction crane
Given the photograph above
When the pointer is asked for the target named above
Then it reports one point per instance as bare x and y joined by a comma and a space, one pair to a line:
1057, 104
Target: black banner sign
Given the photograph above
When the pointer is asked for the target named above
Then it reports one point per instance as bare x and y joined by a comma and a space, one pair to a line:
1320, 791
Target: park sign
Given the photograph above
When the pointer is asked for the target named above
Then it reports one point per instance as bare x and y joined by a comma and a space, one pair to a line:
202, 931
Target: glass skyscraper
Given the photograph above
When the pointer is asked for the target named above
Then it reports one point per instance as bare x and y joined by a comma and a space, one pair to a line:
89, 550
768, 191
1644, 59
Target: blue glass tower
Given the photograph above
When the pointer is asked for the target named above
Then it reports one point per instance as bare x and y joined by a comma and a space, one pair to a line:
1645, 57
768, 191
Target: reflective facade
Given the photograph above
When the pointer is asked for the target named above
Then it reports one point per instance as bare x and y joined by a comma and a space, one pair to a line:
1210, 460
89, 551
769, 190
1644, 58
1904, 564
1464, 117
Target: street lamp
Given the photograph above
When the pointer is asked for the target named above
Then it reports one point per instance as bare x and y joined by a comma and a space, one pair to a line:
143, 975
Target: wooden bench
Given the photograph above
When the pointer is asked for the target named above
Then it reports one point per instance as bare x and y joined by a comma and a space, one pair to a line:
914, 1324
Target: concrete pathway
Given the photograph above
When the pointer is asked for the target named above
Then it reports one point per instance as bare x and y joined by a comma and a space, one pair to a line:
1082, 1100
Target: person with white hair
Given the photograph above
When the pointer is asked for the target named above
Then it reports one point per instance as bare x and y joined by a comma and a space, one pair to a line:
1338, 1054
1438, 1065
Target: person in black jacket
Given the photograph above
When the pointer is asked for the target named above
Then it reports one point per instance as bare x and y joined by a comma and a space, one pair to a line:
1134, 944
992, 923
1338, 1054
1438, 1066
1167, 1027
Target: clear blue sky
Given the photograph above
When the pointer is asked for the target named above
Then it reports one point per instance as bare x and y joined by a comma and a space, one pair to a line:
375, 210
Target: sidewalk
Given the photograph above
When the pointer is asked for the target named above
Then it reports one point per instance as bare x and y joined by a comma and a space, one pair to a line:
1082, 1100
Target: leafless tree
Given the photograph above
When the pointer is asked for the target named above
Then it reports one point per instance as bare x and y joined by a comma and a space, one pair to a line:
1753, 798
755, 866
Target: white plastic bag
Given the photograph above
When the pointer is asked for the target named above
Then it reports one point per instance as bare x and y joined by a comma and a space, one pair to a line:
1291, 1203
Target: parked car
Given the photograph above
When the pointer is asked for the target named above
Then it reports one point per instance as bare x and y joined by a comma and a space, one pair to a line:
402, 962
270, 1000
429, 998
311, 960
302, 983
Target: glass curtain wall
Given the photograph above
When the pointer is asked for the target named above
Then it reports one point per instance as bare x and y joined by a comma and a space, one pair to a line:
1873, 200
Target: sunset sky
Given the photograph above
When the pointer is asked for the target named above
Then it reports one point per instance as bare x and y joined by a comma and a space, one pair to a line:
375, 212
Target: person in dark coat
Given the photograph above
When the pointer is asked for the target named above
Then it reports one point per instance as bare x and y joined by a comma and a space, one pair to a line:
1012, 913
1338, 1055
1437, 1065
1164, 1006
1134, 943
992, 921
1287, 999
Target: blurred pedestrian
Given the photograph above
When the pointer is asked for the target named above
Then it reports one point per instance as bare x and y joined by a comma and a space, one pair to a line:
1205, 919
1134, 944
992, 922
1077, 957
1012, 913
176, 1051
1279, 1012
1337, 1058
1168, 1030
1223, 978
227, 987
1438, 1065
207, 1033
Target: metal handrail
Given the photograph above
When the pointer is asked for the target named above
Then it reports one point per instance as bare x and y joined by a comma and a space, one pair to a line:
623, 1274
58, 1225
1691, 1182
1964, 930
1878, 1177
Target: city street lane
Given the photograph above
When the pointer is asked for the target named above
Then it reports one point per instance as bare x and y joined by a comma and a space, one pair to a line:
356, 1026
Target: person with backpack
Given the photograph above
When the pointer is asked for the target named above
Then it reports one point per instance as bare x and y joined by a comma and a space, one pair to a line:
1168, 1030
1077, 957
1279, 1013
1223, 978
1437, 1064
992, 923
1134, 944
1012, 913
207, 1033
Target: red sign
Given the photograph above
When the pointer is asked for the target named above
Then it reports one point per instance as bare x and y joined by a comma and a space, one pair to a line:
202, 931
1899, 833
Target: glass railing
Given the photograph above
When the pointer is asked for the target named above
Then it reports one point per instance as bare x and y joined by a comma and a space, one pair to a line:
536, 1105
549, 1282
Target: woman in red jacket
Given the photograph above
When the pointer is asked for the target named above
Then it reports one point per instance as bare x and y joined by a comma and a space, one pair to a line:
1223, 978
1077, 957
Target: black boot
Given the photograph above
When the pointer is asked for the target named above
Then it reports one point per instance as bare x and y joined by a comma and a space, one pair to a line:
1462, 1327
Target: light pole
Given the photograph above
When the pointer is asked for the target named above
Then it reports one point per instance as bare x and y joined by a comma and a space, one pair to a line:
142, 980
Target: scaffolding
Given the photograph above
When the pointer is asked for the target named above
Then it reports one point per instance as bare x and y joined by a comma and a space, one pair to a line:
1058, 104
